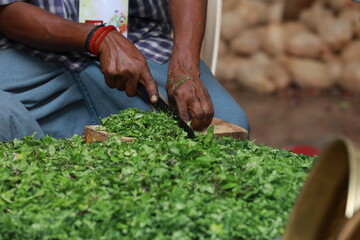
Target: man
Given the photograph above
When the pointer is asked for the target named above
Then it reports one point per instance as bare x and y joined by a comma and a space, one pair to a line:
50, 84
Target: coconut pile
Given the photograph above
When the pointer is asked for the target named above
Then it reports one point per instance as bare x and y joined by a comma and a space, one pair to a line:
319, 49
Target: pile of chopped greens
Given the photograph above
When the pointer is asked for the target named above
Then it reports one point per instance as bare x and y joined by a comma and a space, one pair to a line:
142, 125
176, 188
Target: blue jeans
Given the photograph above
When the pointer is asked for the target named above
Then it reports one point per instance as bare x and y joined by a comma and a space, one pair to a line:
49, 99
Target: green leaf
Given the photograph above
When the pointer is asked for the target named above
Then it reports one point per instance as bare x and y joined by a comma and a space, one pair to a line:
161, 186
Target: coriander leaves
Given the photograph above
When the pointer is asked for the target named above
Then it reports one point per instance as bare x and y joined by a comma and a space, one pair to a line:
161, 186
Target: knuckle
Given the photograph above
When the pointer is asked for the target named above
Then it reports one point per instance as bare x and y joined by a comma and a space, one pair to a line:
105, 72
110, 85
183, 114
209, 114
131, 94
108, 71
139, 66
128, 71
170, 95
120, 88
130, 91
142, 64
111, 73
198, 115
180, 92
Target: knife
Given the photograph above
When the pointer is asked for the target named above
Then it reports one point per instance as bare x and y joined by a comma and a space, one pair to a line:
162, 106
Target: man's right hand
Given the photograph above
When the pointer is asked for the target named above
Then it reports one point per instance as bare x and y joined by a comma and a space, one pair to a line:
121, 62
124, 66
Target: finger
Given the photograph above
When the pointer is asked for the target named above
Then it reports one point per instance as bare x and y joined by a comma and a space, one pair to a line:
150, 84
110, 82
108, 69
172, 103
131, 86
198, 122
208, 110
206, 103
207, 106
120, 83
208, 114
182, 110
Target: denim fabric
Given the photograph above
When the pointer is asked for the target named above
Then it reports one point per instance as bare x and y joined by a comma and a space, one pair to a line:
62, 102
15, 120
149, 29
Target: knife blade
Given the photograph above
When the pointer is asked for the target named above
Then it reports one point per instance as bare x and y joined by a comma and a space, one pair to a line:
162, 106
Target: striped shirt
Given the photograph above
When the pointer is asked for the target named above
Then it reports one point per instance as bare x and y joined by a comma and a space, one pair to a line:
149, 29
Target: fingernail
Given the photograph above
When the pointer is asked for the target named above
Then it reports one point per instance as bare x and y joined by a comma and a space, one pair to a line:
154, 98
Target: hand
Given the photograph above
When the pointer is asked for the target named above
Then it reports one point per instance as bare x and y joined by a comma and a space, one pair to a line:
188, 95
124, 66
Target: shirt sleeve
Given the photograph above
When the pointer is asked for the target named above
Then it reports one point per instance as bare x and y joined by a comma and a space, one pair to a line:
4, 2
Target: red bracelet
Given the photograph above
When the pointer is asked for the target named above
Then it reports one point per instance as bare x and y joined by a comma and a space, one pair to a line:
96, 41
90, 35
93, 39
105, 32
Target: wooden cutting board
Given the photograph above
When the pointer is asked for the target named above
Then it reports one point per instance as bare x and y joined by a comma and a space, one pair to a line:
221, 129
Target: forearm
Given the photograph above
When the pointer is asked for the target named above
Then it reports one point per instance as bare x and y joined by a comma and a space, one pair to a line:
188, 19
38, 28
186, 92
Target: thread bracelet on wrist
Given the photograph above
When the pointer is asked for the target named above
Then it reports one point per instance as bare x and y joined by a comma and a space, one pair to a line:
103, 34
90, 35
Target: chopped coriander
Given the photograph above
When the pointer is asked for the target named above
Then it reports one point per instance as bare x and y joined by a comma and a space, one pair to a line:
161, 186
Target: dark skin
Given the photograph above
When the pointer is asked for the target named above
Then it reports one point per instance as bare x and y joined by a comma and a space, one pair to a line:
186, 92
121, 62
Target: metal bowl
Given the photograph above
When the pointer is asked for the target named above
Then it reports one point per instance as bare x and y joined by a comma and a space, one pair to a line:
330, 195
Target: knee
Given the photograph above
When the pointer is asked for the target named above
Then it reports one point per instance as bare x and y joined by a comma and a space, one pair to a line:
235, 116
242, 120
16, 123
8, 115
244, 123
8, 123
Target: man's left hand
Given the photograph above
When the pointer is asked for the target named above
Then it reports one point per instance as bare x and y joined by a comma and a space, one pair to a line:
188, 95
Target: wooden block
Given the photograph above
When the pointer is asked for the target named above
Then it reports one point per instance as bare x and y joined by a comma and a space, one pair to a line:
221, 129
226, 129
91, 134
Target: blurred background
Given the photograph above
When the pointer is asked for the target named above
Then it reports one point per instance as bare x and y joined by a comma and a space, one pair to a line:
294, 67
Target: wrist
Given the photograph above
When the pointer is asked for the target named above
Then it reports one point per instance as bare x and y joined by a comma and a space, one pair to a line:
95, 38
186, 52
90, 36
181, 71
184, 60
